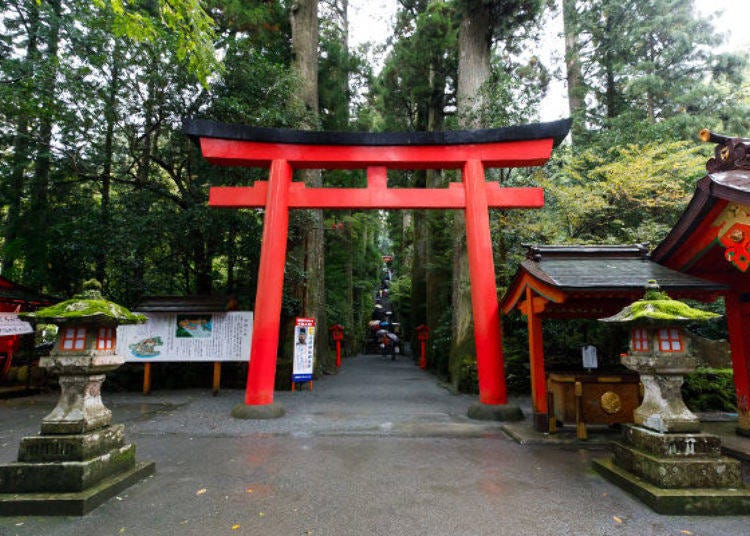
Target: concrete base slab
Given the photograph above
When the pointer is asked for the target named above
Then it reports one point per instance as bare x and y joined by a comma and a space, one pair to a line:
696, 501
73, 504
266, 411
494, 412
524, 434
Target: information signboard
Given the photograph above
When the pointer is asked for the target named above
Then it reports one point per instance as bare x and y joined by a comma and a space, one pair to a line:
187, 337
304, 349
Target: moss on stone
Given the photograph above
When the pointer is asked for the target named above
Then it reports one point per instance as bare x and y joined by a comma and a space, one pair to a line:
88, 307
657, 307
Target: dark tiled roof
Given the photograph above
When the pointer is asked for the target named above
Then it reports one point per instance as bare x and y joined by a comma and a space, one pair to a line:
182, 304
591, 273
728, 184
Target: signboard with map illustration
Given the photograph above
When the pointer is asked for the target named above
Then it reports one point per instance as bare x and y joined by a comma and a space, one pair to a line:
187, 337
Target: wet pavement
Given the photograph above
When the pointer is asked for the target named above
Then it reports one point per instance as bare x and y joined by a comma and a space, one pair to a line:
379, 449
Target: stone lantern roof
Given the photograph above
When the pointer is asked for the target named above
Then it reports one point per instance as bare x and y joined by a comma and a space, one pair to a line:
87, 308
658, 309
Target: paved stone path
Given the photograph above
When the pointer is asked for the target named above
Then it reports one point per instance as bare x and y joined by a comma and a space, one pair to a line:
379, 449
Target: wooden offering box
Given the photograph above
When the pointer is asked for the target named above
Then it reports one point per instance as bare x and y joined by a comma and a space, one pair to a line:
591, 398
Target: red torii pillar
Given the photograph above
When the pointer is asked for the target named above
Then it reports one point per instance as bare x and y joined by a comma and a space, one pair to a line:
282, 151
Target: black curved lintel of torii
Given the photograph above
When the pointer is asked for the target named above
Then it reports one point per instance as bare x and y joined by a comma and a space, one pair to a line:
202, 128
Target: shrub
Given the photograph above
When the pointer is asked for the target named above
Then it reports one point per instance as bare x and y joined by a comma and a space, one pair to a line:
709, 389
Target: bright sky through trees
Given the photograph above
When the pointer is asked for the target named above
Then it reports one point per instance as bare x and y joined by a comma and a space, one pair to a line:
372, 21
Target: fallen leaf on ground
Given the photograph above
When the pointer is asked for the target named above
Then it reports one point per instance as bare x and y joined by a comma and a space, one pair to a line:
249, 490
261, 514
201, 491
235, 527
685, 532
617, 519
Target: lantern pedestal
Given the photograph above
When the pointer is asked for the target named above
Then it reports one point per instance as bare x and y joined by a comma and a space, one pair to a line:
663, 409
80, 408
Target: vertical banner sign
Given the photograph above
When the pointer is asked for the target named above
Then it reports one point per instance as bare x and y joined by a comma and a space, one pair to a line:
304, 348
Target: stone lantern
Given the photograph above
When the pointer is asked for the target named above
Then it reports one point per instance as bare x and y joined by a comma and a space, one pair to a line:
663, 458
79, 459
660, 351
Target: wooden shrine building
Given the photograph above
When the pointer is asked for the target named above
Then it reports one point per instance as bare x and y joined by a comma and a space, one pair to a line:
711, 240
567, 282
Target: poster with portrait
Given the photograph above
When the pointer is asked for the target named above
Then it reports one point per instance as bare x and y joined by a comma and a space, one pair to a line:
188, 337
304, 349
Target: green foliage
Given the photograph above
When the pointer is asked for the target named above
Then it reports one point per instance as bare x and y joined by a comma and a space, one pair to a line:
187, 20
400, 295
709, 389
631, 193
649, 61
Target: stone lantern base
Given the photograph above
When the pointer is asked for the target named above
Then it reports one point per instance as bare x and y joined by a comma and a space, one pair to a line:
677, 473
69, 474
79, 460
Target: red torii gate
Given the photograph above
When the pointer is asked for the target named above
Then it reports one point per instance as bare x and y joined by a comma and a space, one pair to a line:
285, 150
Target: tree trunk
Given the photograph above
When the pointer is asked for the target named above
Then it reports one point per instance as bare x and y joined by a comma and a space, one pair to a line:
139, 202
110, 116
21, 146
576, 89
304, 23
37, 269
610, 89
473, 72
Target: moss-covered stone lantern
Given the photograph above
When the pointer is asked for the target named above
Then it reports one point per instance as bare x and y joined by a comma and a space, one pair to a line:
83, 353
660, 351
79, 459
664, 459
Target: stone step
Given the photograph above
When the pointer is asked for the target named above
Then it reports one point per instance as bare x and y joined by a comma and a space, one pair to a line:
717, 472
684, 445
71, 448
23, 477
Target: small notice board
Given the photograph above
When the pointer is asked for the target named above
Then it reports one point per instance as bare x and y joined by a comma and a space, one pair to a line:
304, 350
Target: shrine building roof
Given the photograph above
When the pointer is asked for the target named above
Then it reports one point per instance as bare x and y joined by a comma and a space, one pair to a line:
12, 293
589, 278
700, 240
